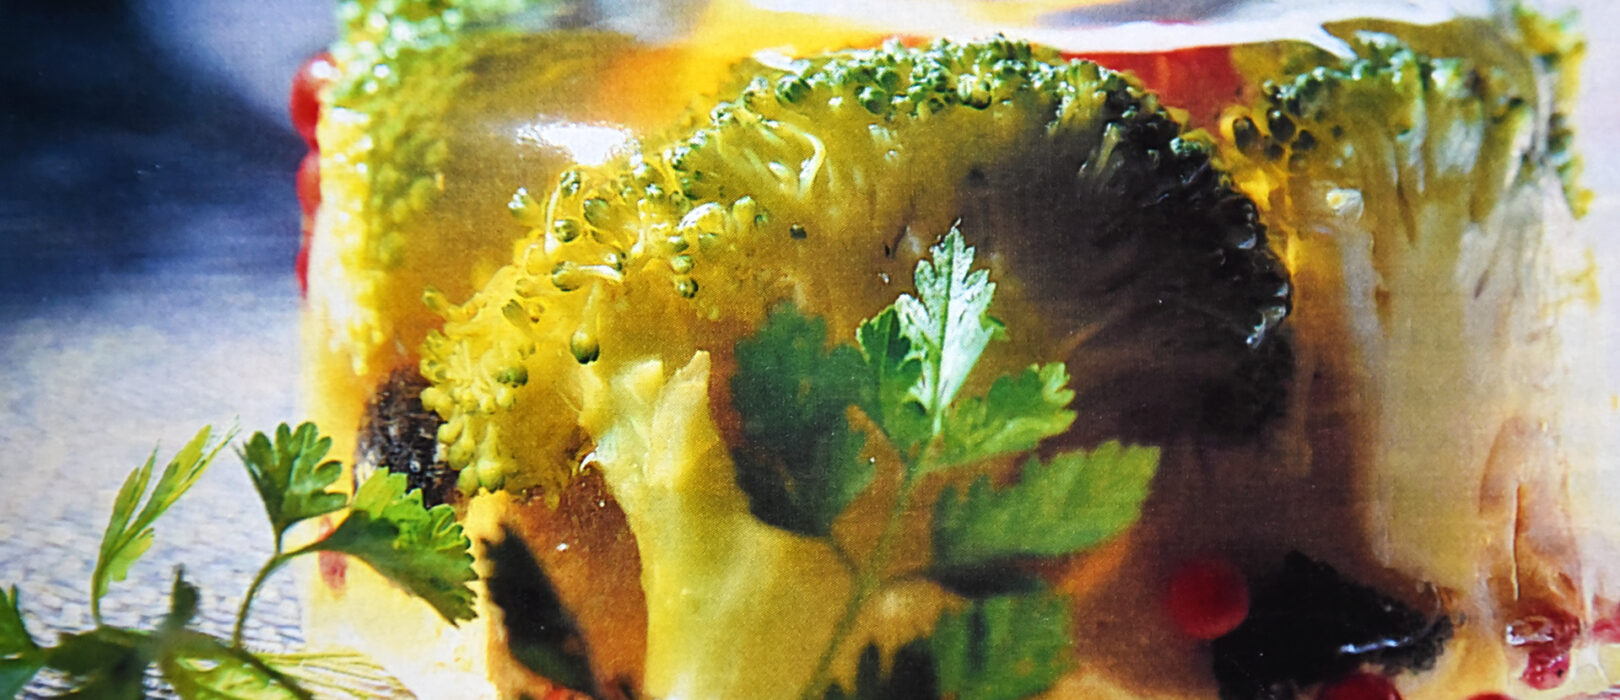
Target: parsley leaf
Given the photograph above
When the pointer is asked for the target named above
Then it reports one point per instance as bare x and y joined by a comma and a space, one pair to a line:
947, 321
1005, 648
290, 476
800, 466
910, 677
129, 534
1070, 503
183, 600
422, 550
200, 667
1015, 415
105, 663
894, 369
337, 673
800, 462
20, 657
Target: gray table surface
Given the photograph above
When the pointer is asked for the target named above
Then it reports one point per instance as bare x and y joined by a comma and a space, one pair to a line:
147, 232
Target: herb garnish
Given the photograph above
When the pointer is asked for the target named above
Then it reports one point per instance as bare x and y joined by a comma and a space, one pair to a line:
422, 550
801, 466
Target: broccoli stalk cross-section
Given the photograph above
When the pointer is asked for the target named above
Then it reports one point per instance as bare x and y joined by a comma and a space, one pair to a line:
1422, 191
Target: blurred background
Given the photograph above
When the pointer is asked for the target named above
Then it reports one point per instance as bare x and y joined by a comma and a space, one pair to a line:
146, 134
148, 226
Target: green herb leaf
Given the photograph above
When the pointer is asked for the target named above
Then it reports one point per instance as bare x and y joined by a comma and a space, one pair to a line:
1005, 648
129, 534
290, 476
420, 549
910, 677
1070, 503
183, 599
894, 367
20, 657
800, 462
103, 664
338, 673
947, 321
1016, 414
200, 667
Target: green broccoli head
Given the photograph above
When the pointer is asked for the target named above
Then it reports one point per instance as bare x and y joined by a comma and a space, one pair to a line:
1119, 247
1152, 275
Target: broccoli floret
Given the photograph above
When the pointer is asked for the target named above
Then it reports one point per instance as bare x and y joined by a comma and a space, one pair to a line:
1117, 246
416, 161
1076, 184
824, 181
384, 26
1417, 191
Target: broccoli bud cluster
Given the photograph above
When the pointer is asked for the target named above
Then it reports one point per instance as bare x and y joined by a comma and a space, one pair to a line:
823, 181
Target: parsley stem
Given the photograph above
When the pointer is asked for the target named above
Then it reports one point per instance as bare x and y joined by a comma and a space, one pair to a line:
280, 678
868, 580
253, 590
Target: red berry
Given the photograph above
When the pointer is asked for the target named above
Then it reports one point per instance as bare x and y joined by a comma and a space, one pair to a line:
1207, 597
1359, 686
1490, 696
1547, 633
309, 183
304, 104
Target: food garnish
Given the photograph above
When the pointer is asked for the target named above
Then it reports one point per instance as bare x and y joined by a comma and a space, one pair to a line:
801, 466
421, 550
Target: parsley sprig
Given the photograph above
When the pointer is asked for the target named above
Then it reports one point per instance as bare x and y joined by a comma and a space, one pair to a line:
802, 463
422, 550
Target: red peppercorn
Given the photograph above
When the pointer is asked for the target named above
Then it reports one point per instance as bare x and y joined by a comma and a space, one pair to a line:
1207, 598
